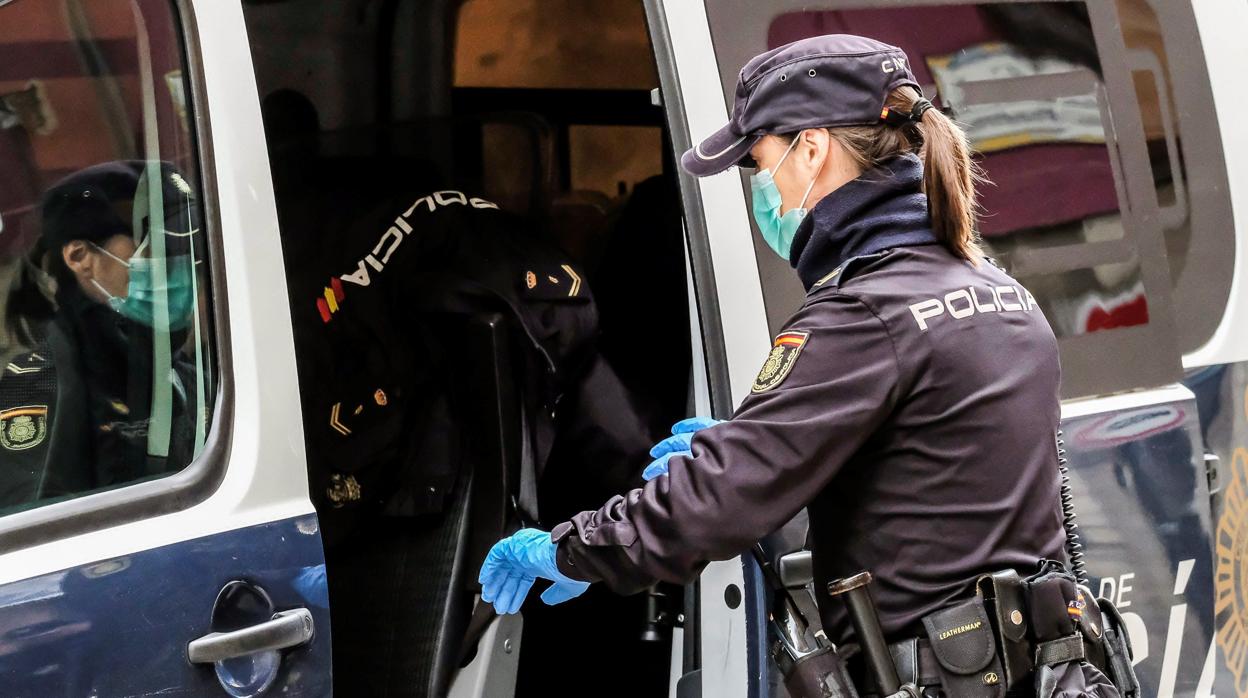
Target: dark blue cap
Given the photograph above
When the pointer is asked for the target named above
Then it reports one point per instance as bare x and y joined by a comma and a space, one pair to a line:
84, 205
823, 81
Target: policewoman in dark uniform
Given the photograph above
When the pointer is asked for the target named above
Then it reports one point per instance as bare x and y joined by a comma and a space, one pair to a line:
911, 403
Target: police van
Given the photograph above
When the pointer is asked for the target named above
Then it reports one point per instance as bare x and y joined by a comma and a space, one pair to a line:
194, 192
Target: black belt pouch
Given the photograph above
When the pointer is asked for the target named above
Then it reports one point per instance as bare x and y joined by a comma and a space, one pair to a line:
1003, 597
966, 650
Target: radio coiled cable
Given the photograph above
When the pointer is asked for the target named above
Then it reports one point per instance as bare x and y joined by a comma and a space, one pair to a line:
1074, 548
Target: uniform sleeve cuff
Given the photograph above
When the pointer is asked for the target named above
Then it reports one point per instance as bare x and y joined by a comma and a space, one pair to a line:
563, 555
561, 531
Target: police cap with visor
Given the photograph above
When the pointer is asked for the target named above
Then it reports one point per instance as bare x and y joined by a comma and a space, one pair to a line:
820, 82
108, 199
119, 198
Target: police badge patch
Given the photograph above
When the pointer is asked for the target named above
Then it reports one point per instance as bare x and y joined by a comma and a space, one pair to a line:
1231, 577
783, 355
23, 427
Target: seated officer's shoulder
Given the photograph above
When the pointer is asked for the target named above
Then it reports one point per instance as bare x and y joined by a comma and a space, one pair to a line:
27, 399
26, 368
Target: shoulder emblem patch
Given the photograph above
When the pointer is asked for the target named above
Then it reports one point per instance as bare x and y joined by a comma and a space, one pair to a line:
783, 355
552, 283
23, 427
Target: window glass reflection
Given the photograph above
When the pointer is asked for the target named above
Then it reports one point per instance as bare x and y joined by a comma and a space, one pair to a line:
106, 370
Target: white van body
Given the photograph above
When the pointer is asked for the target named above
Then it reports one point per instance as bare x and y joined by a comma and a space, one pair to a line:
1165, 538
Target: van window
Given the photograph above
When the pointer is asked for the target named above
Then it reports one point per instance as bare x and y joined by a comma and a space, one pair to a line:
107, 375
532, 44
593, 78
1104, 199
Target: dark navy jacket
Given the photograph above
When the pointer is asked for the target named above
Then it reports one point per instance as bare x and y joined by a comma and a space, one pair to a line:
911, 404
381, 363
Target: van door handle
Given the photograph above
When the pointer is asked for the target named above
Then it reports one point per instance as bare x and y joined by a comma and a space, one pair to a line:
797, 569
286, 629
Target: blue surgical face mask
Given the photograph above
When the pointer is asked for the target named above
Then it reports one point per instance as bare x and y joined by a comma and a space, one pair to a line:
778, 230
143, 291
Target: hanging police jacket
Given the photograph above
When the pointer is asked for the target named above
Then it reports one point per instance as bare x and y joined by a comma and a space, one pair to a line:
379, 391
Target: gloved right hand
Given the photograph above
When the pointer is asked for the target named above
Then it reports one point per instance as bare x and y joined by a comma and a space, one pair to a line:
514, 563
678, 444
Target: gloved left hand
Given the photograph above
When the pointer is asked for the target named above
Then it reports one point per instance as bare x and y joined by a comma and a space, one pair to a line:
514, 563
310, 582
679, 443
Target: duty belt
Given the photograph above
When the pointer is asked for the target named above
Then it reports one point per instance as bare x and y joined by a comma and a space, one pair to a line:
1006, 641
917, 663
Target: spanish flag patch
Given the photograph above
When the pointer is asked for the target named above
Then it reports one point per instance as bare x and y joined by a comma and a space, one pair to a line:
780, 361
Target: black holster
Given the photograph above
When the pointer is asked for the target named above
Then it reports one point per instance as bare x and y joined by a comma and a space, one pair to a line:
1080, 642
809, 663
821, 674
1118, 651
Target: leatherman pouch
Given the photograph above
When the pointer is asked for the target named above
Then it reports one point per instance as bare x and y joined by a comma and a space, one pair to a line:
819, 675
1118, 651
963, 641
1003, 597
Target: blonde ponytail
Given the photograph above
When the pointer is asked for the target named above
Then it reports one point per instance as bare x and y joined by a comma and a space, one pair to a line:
949, 173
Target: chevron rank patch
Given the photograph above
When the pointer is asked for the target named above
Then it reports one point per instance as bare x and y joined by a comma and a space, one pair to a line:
780, 362
553, 283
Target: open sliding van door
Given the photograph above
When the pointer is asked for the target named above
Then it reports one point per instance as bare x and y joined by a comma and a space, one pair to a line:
1096, 122
724, 638
156, 534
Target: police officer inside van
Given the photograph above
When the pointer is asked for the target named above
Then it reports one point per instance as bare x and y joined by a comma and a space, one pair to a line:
84, 393
910, 404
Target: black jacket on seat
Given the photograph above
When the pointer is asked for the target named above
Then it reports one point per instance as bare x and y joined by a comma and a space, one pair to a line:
378, 354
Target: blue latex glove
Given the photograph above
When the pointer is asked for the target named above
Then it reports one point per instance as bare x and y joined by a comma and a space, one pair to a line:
678, 444
514, 563
311, 584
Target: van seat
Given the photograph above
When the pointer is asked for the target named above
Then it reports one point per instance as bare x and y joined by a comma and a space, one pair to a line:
517, 159
578, 222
